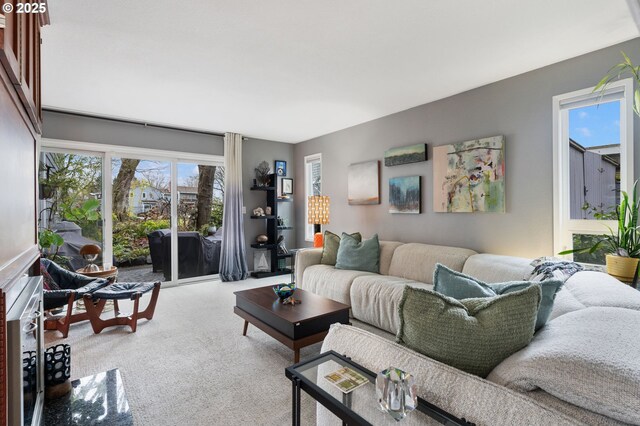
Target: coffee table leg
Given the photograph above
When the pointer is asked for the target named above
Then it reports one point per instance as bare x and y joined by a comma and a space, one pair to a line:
296, 356
244, 330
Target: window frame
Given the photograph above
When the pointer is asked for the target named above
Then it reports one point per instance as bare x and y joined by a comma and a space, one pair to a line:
563, 226
308, 161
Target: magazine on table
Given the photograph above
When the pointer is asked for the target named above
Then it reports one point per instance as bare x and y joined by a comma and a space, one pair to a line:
346, 379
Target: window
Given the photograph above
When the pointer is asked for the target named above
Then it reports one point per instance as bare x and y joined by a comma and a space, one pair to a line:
312, 186
593, 162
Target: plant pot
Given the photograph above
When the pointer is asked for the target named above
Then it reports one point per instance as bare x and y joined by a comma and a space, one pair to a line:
622, 268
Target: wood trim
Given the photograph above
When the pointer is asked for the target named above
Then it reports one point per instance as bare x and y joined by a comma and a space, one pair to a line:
6, 80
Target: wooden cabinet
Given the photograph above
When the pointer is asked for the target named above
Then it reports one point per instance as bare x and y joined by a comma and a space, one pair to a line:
20, 55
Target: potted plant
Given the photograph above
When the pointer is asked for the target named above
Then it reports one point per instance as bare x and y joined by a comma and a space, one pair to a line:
622, 245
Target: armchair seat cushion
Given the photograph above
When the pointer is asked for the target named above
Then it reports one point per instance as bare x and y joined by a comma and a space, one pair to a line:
58, 298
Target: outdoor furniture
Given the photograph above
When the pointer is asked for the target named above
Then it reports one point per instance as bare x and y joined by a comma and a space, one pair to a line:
65, 287
197, 255
94, 303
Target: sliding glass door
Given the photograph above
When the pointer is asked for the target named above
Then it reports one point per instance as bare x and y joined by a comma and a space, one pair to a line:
70, 206
131, 205
141, 215
200, 196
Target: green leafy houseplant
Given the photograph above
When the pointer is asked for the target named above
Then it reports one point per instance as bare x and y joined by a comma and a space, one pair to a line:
47, 239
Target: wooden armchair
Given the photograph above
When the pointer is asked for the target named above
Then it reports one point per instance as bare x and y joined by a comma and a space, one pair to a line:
62, 288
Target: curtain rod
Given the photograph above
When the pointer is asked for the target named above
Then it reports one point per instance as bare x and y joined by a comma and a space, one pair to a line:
128, 121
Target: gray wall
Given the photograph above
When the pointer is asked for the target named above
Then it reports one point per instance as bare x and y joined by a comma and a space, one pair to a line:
253, 152
518, 107
83, 129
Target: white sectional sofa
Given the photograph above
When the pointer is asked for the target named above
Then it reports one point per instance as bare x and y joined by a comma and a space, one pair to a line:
577, 382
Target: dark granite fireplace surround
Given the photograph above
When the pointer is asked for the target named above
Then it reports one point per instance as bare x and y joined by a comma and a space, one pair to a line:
94, 400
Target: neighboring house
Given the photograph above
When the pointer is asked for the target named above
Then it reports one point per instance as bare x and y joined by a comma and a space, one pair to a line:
187, 195
596, 170
144, 198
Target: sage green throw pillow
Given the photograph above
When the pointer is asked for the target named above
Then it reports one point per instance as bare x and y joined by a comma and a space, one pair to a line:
359, 255
473, 335
330, 247
460, 286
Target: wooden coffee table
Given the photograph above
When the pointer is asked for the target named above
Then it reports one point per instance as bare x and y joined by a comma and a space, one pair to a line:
294, 326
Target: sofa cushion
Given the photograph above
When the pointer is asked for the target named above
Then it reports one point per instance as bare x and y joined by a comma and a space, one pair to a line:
327, 281
589, 289
453, 390
330, 245
460, 286
418, 261
473, 335
375, 300
588, 357
359, 255
494, 268
387, 248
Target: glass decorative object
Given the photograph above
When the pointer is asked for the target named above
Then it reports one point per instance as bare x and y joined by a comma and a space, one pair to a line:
396, 392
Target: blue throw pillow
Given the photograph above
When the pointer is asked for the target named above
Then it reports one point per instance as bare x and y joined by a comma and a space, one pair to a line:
460, 286
359, 256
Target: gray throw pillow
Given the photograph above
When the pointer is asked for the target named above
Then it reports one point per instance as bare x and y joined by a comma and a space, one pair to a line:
460, 286
473, 335
359, 256
330, 245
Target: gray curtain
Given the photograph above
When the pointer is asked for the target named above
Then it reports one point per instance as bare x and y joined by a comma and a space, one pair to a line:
233, 261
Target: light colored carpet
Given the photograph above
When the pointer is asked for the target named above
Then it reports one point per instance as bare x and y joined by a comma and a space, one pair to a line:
191, 365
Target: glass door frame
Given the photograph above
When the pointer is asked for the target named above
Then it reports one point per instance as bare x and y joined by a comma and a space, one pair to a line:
107, 153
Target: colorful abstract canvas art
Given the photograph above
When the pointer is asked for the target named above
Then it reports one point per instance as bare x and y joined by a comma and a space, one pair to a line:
405, 195
363, 183
469, 176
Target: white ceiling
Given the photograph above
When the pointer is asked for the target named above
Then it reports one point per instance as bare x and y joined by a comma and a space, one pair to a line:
291, 70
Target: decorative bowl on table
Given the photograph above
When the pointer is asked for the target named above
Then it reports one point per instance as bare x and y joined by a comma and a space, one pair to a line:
284, 291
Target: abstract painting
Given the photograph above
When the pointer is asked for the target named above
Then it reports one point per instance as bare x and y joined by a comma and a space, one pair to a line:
405, 155
469, 176
405, 195
363, 183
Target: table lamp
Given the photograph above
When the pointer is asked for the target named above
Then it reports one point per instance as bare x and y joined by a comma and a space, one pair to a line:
318, 216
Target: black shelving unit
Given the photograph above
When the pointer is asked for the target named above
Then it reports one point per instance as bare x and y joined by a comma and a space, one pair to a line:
272, 229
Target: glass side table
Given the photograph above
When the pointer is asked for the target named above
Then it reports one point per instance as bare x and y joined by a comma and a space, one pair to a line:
360, 406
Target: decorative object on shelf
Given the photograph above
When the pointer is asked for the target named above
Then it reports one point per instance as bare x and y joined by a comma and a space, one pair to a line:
90, 253
284, 291
623, 244
287, 187
397, 392
405, 155
267, 210
405, 194
281, 168
263, 174
363, 183
57, 371
261, 239
469, 176
282, 248
280, 221
260, 261
318, 208
258, 211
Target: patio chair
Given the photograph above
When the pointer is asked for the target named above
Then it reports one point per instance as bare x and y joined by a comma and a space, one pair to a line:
63, 287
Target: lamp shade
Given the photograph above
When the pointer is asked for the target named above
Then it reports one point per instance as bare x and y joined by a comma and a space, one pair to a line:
318, 210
